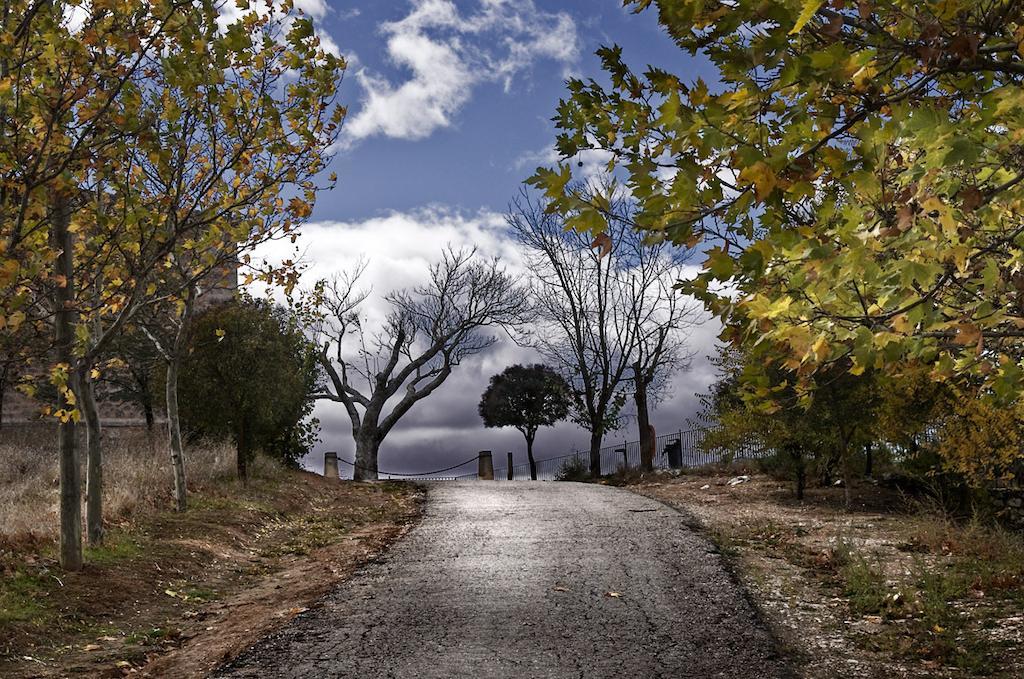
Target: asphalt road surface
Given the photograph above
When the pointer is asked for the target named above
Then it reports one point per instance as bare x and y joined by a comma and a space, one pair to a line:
521, 579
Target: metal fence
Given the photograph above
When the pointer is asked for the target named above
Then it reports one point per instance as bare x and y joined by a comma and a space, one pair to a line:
681, 449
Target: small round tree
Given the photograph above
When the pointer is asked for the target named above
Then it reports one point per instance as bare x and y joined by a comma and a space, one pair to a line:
527, 398
250, 375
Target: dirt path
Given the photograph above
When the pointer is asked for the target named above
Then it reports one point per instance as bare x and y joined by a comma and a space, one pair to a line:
531, 580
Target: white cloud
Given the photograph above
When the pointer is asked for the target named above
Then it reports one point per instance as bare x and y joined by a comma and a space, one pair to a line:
586, 165
315, 10
447, 54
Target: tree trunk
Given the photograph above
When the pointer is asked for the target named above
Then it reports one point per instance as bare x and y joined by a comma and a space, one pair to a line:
147, 407
643, 421
595, 454
845, 468
800, 469
367, 449
94, 458
64, 333
175, 446
243, 451
3, 392
869, 459
177, 451
529, 456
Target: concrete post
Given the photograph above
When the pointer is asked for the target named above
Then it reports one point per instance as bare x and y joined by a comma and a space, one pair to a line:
485, 468
510, 466
331, 466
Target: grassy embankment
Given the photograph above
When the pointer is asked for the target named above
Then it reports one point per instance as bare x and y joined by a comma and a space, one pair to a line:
891, 588
174, 594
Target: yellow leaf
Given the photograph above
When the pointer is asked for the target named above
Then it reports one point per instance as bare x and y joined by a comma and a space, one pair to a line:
820, 348
809, 10
762, 177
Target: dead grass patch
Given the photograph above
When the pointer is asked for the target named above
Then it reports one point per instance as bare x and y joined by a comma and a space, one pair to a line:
137, 477
886, 590
183, 591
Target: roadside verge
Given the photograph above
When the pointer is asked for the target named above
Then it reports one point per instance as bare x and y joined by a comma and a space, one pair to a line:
176, 595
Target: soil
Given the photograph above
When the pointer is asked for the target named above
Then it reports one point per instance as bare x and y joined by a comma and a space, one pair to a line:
176, 595
798, 561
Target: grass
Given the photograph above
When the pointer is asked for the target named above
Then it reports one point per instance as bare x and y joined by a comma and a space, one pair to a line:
954, 565
158, 571
21, 598
920, 591
137, 478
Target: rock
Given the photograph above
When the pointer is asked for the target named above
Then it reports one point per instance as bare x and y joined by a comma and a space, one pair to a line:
705, 486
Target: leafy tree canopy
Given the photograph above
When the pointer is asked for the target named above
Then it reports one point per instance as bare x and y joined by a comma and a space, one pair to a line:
855, 177
249, 376
525, 397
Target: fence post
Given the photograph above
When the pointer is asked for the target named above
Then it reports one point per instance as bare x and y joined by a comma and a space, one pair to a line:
485, 466
331, 466
625, 457
510, 467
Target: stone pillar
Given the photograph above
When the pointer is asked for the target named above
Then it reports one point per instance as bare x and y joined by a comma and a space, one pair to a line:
485, 468
331, 466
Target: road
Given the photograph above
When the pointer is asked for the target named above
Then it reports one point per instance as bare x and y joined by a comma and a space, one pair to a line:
521, 579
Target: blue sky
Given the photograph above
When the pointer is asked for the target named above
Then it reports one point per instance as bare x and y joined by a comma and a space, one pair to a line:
494, 140
450, 106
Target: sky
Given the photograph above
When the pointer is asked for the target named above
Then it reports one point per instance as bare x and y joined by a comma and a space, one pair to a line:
450, 105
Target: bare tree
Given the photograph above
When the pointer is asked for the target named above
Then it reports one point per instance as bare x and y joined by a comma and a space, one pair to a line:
607, 312
661, 344
431, 329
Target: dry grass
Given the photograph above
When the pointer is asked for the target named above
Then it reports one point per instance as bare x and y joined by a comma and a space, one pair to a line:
137, 477
888, 590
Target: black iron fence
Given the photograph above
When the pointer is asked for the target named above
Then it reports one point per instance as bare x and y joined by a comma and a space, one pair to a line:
682, 449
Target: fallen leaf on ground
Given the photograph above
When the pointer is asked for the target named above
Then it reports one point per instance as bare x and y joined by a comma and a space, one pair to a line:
614, 595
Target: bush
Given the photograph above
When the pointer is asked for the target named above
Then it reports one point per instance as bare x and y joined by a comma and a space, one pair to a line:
573, 469
249, 376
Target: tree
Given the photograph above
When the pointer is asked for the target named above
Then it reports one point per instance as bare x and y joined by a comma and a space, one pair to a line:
67, 110
603, 307
243, 138
855, 175
527, 398
88, 98
430, 330
250, 375
826, 433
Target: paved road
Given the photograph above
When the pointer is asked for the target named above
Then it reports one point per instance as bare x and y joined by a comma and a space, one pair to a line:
513, 579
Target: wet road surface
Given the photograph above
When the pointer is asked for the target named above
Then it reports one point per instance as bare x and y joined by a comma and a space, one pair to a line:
521, 579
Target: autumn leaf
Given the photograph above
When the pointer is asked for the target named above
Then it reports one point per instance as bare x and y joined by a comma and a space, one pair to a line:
967, 334
762, 177
810, 8
604, 242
